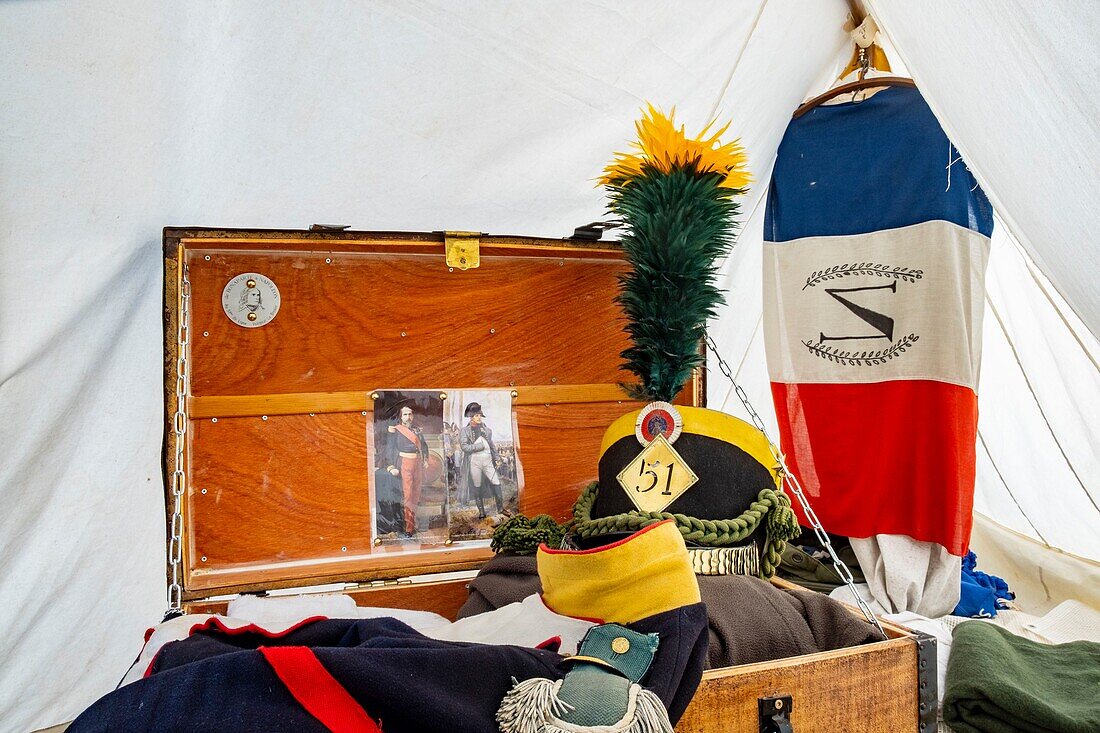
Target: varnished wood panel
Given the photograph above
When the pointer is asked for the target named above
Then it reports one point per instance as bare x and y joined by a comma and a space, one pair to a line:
370, 321
433, 243
286, 495
560, 448
287, 498
866, 689
444, 597
287, 488
306, 402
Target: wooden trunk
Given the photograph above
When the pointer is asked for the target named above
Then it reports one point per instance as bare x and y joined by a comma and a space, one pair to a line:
275, 429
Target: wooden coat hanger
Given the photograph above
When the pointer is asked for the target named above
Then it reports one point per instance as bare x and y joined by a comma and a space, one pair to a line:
865, 57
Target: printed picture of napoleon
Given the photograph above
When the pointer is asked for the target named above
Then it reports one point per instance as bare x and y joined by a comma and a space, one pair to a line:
482, 449
410, 480
480, 462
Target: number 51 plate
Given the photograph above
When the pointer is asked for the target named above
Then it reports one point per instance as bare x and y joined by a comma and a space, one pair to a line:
656, 477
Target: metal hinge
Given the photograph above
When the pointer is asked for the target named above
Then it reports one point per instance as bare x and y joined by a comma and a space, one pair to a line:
775, 714
594, 231
463, 249
380, 583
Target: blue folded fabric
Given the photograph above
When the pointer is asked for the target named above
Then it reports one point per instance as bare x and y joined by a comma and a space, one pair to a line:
980, 594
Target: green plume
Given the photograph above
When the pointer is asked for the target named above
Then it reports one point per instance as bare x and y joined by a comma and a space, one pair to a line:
677, 224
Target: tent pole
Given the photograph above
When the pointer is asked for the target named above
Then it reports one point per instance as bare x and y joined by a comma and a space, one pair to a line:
857, 10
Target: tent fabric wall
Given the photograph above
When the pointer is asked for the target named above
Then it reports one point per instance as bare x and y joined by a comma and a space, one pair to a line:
1014, 84
123, 117
1046, 579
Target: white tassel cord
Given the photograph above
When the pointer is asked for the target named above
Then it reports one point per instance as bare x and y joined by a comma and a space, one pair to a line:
529, 705
532, 706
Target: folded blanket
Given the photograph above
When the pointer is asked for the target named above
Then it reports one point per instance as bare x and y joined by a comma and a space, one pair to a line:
998, 682
504, 579
749, 620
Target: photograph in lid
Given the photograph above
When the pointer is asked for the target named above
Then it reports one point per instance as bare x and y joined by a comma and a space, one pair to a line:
409, 475
482, 454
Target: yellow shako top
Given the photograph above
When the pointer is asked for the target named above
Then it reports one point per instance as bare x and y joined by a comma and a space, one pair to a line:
710, 473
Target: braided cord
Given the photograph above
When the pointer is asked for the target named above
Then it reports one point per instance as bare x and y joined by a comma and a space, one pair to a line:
771, 506
523, 536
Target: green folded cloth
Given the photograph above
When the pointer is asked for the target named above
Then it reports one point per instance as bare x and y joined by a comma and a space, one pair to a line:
998, 682
802, 568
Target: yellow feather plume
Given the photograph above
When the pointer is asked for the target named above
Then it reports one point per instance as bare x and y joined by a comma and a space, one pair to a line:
664, 146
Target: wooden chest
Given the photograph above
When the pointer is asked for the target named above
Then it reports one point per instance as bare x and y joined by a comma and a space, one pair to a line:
268, 449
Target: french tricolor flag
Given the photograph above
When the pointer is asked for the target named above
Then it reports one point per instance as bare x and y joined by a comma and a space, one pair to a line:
876, 243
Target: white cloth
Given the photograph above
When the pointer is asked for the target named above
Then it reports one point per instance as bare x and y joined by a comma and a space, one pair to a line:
1068, 621
943, 642
283, 609
923, 577
526, 623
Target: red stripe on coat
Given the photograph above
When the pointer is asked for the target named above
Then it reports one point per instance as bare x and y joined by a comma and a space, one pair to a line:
317, 690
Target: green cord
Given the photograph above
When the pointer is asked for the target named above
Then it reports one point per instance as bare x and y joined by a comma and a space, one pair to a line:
771, 506
523, 536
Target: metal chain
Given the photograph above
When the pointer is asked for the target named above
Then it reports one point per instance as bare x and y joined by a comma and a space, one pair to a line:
179, 428
791, 481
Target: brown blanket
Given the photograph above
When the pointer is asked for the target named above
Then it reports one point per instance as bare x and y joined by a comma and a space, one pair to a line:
750, 619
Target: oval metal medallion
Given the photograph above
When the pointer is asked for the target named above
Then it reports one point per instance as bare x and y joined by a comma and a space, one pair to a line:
658, 418
250, 300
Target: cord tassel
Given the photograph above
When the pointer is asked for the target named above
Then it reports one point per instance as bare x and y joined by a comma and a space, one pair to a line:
532, 706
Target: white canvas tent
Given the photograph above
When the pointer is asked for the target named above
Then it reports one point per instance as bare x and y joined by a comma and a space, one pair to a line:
122, 117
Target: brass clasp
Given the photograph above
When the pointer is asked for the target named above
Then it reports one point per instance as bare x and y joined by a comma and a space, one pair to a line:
463, 249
